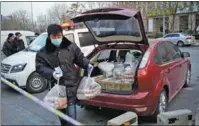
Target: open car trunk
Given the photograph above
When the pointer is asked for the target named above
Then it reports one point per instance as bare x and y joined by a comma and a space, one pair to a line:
115, 69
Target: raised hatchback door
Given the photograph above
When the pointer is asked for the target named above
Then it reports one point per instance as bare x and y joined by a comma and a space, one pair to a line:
110, 25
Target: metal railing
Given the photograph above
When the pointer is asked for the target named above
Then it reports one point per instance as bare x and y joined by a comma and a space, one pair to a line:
40, 102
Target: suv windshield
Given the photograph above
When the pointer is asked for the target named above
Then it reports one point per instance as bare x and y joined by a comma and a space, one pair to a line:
115, 27
38, 43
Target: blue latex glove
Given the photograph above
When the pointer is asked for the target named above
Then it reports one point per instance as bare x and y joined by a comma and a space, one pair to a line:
90, 68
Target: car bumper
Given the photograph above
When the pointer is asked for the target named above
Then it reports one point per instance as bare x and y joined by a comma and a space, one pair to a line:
135, 102
19, 78
189, 42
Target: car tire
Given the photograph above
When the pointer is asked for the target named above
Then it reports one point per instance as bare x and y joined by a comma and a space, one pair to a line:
180, 43
89, 107
36, 83
162, 105
188, 78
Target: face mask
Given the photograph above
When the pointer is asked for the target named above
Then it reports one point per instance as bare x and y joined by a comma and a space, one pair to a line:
56, 42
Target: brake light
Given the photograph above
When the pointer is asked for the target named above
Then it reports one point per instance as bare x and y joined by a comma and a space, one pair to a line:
144, 59
188, 37
77, 67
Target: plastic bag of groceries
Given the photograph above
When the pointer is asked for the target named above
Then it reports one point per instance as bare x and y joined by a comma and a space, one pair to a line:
57, 94
106, 68
88, 88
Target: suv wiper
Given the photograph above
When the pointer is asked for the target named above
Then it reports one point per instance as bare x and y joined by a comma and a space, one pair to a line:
28, 49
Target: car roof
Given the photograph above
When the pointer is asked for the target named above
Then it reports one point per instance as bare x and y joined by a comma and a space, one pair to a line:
6, 32
64, 32
76, 30
173, 33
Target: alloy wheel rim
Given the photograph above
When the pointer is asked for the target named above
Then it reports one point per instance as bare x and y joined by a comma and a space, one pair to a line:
162, 104
36, 83
188, 77
180, 44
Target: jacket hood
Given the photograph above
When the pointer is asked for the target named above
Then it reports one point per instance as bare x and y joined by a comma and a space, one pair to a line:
51, 48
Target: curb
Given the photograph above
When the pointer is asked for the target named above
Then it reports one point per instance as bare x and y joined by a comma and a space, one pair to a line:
128, 118
177, 117
195, 45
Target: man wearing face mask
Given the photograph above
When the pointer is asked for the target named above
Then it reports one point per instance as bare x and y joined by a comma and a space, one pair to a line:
60, 52
19, 43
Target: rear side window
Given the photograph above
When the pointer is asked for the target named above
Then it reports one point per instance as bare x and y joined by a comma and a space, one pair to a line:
86, 39
170, 35
176, 35
162, 54
173, 51
70, 37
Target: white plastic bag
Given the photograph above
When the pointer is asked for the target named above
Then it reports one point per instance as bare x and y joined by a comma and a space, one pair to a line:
56, 94
106, 68
88, 88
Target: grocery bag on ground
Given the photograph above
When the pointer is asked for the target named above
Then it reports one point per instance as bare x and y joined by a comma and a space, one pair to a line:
88, 88
56, 94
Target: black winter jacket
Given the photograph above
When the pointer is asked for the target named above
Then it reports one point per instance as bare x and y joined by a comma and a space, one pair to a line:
8, 48
66, 56
19, 45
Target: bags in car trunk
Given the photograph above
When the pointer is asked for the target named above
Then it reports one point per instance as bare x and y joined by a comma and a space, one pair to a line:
115, 70
114, 84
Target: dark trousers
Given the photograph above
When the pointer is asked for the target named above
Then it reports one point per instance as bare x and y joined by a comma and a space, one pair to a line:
70, 111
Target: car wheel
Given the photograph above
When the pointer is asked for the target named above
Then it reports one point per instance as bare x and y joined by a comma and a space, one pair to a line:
180, 43
36, 83
162, 104
188, 78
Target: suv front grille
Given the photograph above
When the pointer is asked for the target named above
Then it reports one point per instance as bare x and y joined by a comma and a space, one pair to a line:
5, 68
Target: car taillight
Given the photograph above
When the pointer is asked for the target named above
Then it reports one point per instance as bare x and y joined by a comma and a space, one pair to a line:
188, 37
77, 67
144, 59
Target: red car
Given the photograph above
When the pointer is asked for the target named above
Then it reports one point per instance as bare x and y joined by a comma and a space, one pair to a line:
162, 68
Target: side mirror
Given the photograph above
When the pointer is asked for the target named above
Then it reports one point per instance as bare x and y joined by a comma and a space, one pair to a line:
185, 54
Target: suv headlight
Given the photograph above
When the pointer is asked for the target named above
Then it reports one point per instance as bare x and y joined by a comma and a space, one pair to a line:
18, 68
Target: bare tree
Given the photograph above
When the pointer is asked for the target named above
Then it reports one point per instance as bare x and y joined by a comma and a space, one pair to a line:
175, 6
192, 28
23, 19
98, 5
76, 8
8, 23
130, 4
42, 23
60, 13
56, 12
18, 20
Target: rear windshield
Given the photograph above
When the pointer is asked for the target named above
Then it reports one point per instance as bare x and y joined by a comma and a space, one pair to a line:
115, 27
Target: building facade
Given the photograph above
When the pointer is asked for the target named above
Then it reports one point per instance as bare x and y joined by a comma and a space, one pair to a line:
179, 16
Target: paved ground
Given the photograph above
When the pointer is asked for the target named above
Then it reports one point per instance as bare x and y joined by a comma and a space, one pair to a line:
18, 110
